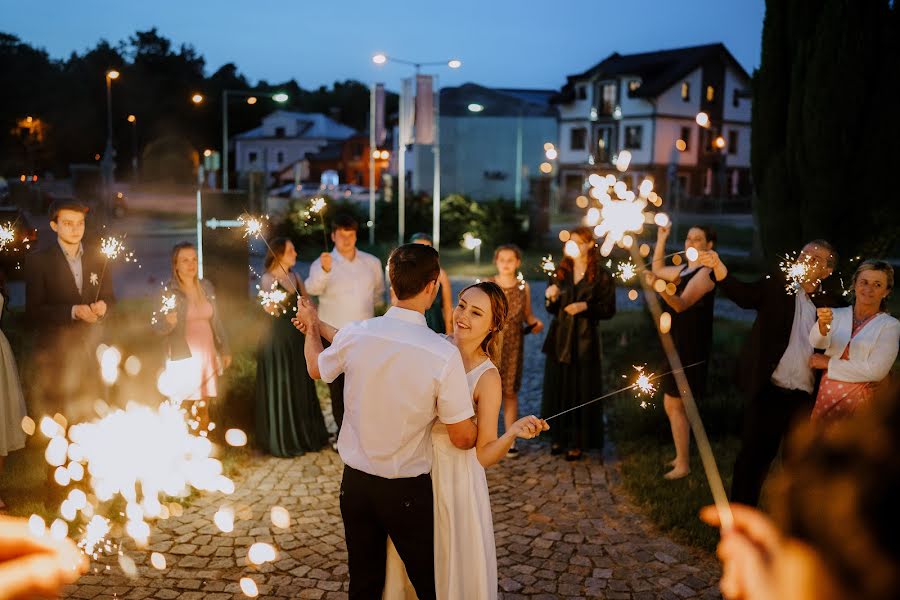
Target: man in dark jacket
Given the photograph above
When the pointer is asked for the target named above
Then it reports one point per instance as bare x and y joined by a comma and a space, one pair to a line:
773, 368
66, 301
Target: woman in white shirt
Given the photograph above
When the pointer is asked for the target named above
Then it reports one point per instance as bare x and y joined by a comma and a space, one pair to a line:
860, 343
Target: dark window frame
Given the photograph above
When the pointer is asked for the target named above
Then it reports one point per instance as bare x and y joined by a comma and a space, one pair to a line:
632, 133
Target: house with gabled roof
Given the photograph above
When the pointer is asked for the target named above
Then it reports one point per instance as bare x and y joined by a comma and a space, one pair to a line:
648, 104
283, 138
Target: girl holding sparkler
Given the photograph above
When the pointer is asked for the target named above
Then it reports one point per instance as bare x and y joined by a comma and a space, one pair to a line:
583, 293
289, 419
860, 343
521, 320
692, 317
197, 345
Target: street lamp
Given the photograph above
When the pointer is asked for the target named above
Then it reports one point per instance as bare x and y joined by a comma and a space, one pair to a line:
134, 146
197, 98
108, 164
279, 97
453, 63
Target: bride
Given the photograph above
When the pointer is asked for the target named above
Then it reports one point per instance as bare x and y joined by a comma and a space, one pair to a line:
465, 556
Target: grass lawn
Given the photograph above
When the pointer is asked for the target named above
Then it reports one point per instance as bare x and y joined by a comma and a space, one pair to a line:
642, 437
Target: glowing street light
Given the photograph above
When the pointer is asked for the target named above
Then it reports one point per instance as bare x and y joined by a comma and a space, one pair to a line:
280, 97
475, 107
702, 119
197, 98
379, 59
454, 64
132, 118
112, 74
251, 100
719, 142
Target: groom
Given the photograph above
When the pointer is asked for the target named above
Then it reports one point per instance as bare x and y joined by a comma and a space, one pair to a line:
400, 376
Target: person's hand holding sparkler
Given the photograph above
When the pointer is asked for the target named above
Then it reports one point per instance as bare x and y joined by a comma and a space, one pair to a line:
711, 260
99, 308
529, 427
662, 233
83, 312
35, 564
325, 257
825, 317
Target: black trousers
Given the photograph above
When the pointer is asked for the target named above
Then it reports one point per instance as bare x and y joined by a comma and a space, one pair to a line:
373, 508
336, 388
768, 418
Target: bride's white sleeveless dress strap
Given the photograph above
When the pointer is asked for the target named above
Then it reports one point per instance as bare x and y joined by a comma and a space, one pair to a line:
465, 555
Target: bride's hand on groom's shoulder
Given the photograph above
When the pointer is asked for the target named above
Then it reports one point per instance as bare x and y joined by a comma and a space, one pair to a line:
529, 427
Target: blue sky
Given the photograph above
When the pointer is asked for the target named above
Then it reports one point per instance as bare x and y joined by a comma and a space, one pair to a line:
504, 43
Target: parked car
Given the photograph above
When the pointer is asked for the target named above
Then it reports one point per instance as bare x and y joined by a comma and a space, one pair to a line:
18, 237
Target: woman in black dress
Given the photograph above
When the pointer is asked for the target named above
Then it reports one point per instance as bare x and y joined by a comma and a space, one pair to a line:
692, 315
582, 294
289, 419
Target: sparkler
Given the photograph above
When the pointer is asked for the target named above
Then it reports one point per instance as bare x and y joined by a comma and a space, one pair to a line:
641, 383
316, 208
626, 271
7, 235
796, 271
167, 304
548, 267
110, 247
253, 227
520, 280
272, 300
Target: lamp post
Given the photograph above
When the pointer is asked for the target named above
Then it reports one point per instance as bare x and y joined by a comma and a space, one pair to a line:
453, 63
107, 165
134, 146
279, 97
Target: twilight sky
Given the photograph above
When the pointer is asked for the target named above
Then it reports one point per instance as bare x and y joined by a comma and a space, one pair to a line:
503, 43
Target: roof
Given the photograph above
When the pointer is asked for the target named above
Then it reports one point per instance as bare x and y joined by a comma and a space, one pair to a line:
658, 70
497, 102
311, 125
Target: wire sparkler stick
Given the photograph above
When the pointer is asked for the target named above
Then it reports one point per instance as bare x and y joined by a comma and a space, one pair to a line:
713, 476
253, 228
619, 391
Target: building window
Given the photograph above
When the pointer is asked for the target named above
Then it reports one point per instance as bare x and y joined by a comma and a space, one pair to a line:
607, 98
634, 84
685, 91
279, 157
735, 98
251, 157
577, 138
634, 135
710, 93
581, 92
686, 138
732, 142
604, 145
279, 132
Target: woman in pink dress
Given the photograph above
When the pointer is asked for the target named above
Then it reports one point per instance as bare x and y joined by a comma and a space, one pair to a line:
860, 343
197, 346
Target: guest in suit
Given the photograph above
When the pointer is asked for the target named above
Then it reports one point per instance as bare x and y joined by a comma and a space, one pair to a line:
197, 345
66, 302
773, 368
860, 344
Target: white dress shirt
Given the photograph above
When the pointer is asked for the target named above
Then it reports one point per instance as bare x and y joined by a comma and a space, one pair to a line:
872, 350
350, 291
400, 376
793, 371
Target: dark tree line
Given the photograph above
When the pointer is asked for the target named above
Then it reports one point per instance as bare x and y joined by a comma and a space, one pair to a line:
68, 99
826, 125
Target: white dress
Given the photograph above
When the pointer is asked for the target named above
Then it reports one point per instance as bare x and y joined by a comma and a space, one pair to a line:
12, 403
465, 554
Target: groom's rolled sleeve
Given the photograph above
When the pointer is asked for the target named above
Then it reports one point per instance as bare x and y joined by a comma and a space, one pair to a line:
331, 363
454, 402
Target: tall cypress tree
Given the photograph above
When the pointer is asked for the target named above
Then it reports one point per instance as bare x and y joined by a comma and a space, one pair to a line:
824, 130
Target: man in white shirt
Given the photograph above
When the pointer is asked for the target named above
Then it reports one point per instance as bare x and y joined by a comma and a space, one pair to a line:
349, 283
401, 376
774, 371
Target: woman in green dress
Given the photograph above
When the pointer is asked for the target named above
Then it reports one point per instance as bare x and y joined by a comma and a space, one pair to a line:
439, 315
289, 419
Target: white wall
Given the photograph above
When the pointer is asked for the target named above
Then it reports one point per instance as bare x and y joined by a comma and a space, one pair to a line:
578, 108
632, 106
668, 131
742, 157
670, 102
293, 150
566, 155
742, 112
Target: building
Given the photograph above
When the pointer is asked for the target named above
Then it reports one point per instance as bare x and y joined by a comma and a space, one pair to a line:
487, 136
284, 138
648, 104
349, 158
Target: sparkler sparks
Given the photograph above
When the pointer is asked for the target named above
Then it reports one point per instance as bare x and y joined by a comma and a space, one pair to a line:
626, 271
272, 300
7, 235
316, 208
643, 384
111, 247
548, 266
796, 270
252, 226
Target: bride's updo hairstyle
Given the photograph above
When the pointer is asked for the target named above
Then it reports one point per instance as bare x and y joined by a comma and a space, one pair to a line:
499, 313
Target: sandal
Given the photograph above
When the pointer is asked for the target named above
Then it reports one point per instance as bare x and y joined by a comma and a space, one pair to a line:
573, 455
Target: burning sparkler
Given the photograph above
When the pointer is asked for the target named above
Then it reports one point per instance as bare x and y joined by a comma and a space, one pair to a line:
316, 208
643, 384
626, 271
111, 247
548, 267
253, 227
7, 235
796, 270
167, 305
272, 300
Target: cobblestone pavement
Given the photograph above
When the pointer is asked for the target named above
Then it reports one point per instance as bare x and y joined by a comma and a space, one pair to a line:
563, 530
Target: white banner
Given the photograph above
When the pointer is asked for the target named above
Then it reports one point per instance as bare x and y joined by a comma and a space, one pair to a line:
407, 112
424, 109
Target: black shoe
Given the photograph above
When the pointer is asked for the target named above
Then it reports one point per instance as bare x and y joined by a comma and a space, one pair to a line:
573, 455
512, 452
556, 449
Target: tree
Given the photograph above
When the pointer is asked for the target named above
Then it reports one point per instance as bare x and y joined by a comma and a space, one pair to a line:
824, 127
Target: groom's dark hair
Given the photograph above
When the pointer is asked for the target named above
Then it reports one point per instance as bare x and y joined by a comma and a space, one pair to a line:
411, 267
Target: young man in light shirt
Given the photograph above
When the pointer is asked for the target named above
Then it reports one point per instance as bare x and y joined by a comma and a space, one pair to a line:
401, 376
349, 284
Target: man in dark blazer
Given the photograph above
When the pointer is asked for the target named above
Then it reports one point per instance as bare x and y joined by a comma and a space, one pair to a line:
66, 303
773, 368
